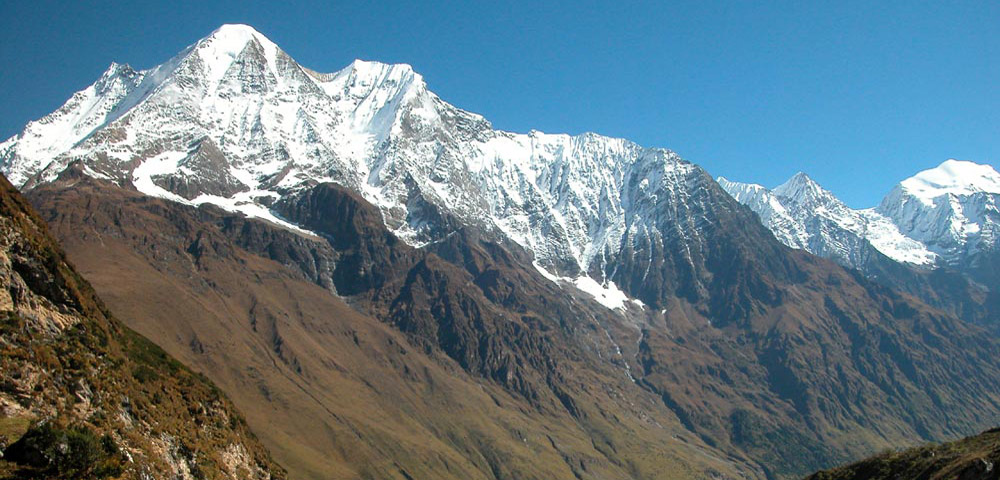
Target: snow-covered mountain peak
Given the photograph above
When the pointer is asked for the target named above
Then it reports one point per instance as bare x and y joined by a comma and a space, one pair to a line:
746, 193
236, 30
234, 121
802, 214
953, 208
362, 76
114, 73
955, 177
369, 71
804, 190
727, 183
377, 92
230, 39
770, 209
212, 57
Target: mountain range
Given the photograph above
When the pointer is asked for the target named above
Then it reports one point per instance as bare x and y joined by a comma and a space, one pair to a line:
388, 287
945, 219
946, 216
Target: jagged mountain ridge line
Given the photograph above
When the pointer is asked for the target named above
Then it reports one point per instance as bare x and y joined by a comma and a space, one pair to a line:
938, 217
569, 200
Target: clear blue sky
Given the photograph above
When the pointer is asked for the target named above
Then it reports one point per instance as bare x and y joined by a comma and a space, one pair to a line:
859, 94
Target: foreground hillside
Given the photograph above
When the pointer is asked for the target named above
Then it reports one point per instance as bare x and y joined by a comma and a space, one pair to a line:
82, 396
972, 458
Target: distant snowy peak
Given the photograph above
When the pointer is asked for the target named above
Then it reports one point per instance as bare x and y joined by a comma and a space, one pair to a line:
804, 191
947, 215
802, 214
952, 208
771, 210
953, 177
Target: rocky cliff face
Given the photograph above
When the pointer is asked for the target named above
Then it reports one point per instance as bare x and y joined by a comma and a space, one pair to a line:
83, 396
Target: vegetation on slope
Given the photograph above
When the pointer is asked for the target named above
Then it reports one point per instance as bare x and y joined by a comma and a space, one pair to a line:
83, 396
972, 458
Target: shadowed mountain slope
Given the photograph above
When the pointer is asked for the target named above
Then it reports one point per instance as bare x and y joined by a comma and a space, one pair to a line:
444, 387
783, 363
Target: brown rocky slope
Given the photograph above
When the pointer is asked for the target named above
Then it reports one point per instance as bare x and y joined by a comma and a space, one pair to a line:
459, 360
83, 396
336, 393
